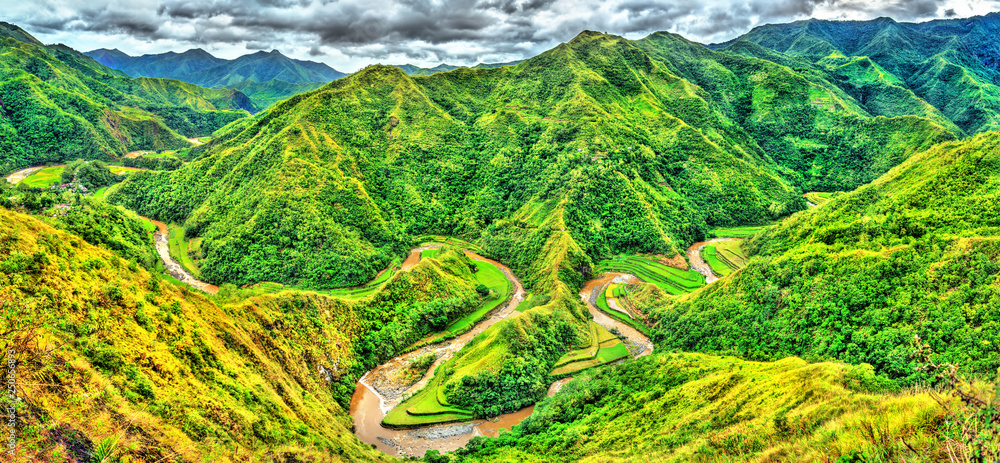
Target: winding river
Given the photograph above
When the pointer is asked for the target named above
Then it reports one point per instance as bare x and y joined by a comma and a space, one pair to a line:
381, 389
698, 264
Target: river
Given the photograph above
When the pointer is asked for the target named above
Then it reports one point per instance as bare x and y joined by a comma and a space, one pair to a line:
381, 389
174, 268
698, 264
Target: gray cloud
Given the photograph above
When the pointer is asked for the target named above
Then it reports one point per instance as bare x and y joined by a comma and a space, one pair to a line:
358, 32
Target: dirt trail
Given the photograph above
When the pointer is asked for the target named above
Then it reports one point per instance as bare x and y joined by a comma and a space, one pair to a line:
698, 264
175, 268
592, 290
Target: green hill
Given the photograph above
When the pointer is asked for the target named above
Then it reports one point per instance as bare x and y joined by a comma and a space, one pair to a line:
702, 408
950, 64
57, 105
913, 253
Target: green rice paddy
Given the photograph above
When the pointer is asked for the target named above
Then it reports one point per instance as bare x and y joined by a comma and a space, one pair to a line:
427, 406
725, 257
738, 232
604, 348
669, 279
44, 178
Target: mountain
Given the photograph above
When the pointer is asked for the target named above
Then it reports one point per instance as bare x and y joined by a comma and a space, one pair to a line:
412, 70
57, 105
914, 253
950, 64
594, 148
266, 77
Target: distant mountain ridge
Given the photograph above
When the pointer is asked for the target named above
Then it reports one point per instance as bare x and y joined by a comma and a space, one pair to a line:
952, 64
412, 70
265, 77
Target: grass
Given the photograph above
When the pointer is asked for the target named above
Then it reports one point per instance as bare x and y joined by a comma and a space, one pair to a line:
673, 281
121, 170
725, 257
738, 232
180, 249
44, 178
429, 253
103, 192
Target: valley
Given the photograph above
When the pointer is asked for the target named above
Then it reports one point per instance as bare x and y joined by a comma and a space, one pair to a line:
782, 247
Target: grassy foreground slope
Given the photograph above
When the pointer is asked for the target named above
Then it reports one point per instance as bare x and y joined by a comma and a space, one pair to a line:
118, 362
701, 408
120, 358
916, 252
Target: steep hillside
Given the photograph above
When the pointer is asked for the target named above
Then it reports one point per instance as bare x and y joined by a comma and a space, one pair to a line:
950, 64
58, 105
126, 364
701, 408
914, 253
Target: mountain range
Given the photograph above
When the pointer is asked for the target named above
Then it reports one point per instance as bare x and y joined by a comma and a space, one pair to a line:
308, 216
266, 77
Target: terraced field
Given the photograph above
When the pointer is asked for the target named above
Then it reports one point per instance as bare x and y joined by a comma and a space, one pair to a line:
725, 257
669, 279
617, 293
428, 406
738, 232
604, 348
44, 178
820, 198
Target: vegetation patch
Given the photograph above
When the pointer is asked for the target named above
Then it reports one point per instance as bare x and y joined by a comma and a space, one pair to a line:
724, 257
669, 279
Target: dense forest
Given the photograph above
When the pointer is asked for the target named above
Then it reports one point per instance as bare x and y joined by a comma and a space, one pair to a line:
913, 253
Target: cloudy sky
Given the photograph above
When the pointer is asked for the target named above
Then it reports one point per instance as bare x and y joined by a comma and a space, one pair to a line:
349, 34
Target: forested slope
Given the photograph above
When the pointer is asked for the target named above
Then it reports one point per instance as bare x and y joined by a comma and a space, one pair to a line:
916, 252
951, 64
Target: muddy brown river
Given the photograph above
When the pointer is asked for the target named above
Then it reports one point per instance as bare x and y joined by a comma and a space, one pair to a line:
381, 388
